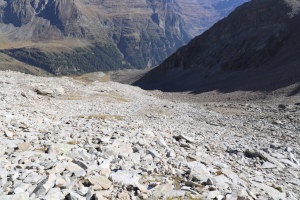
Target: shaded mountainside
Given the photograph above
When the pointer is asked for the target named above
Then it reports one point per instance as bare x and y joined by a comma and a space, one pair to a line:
256, 48
76, 36
199, 15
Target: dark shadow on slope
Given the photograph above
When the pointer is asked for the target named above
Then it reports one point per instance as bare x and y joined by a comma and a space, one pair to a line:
265, 79
261, 80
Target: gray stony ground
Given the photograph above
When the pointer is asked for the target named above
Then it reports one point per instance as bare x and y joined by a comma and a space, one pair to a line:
66, 138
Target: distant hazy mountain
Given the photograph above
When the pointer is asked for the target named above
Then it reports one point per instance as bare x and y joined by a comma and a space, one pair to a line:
255, 48
199, 15
77, 36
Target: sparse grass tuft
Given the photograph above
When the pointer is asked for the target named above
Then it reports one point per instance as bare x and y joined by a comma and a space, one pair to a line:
175, 198
177, 181
117, 117
121, 99
73, 97
105, 78
191, 159
115, 96
155, 111
72, 142
93, 96
91, 77
42, 149
182, 198
219, 172
277, 188
192, 198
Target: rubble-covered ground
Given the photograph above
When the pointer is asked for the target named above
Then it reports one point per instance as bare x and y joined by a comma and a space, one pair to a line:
84, 138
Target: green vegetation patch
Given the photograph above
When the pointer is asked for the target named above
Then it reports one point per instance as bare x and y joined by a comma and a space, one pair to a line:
80, 60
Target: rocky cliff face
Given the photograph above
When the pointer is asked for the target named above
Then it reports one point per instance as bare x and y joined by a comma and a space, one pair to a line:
254, 48
76, 36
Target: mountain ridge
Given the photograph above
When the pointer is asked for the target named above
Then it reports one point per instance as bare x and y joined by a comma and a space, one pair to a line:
75, 36
221, 58
119, 34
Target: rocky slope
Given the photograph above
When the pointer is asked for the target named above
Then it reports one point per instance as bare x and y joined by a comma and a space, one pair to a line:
199, 15
84, 138
76, 36
253, 49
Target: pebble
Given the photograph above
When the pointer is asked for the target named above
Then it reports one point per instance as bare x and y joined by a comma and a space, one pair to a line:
24, 146
268, 165
76, 169
100, 182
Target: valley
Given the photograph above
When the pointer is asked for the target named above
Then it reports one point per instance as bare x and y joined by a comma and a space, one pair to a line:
77, 37
88, 36
103, 100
